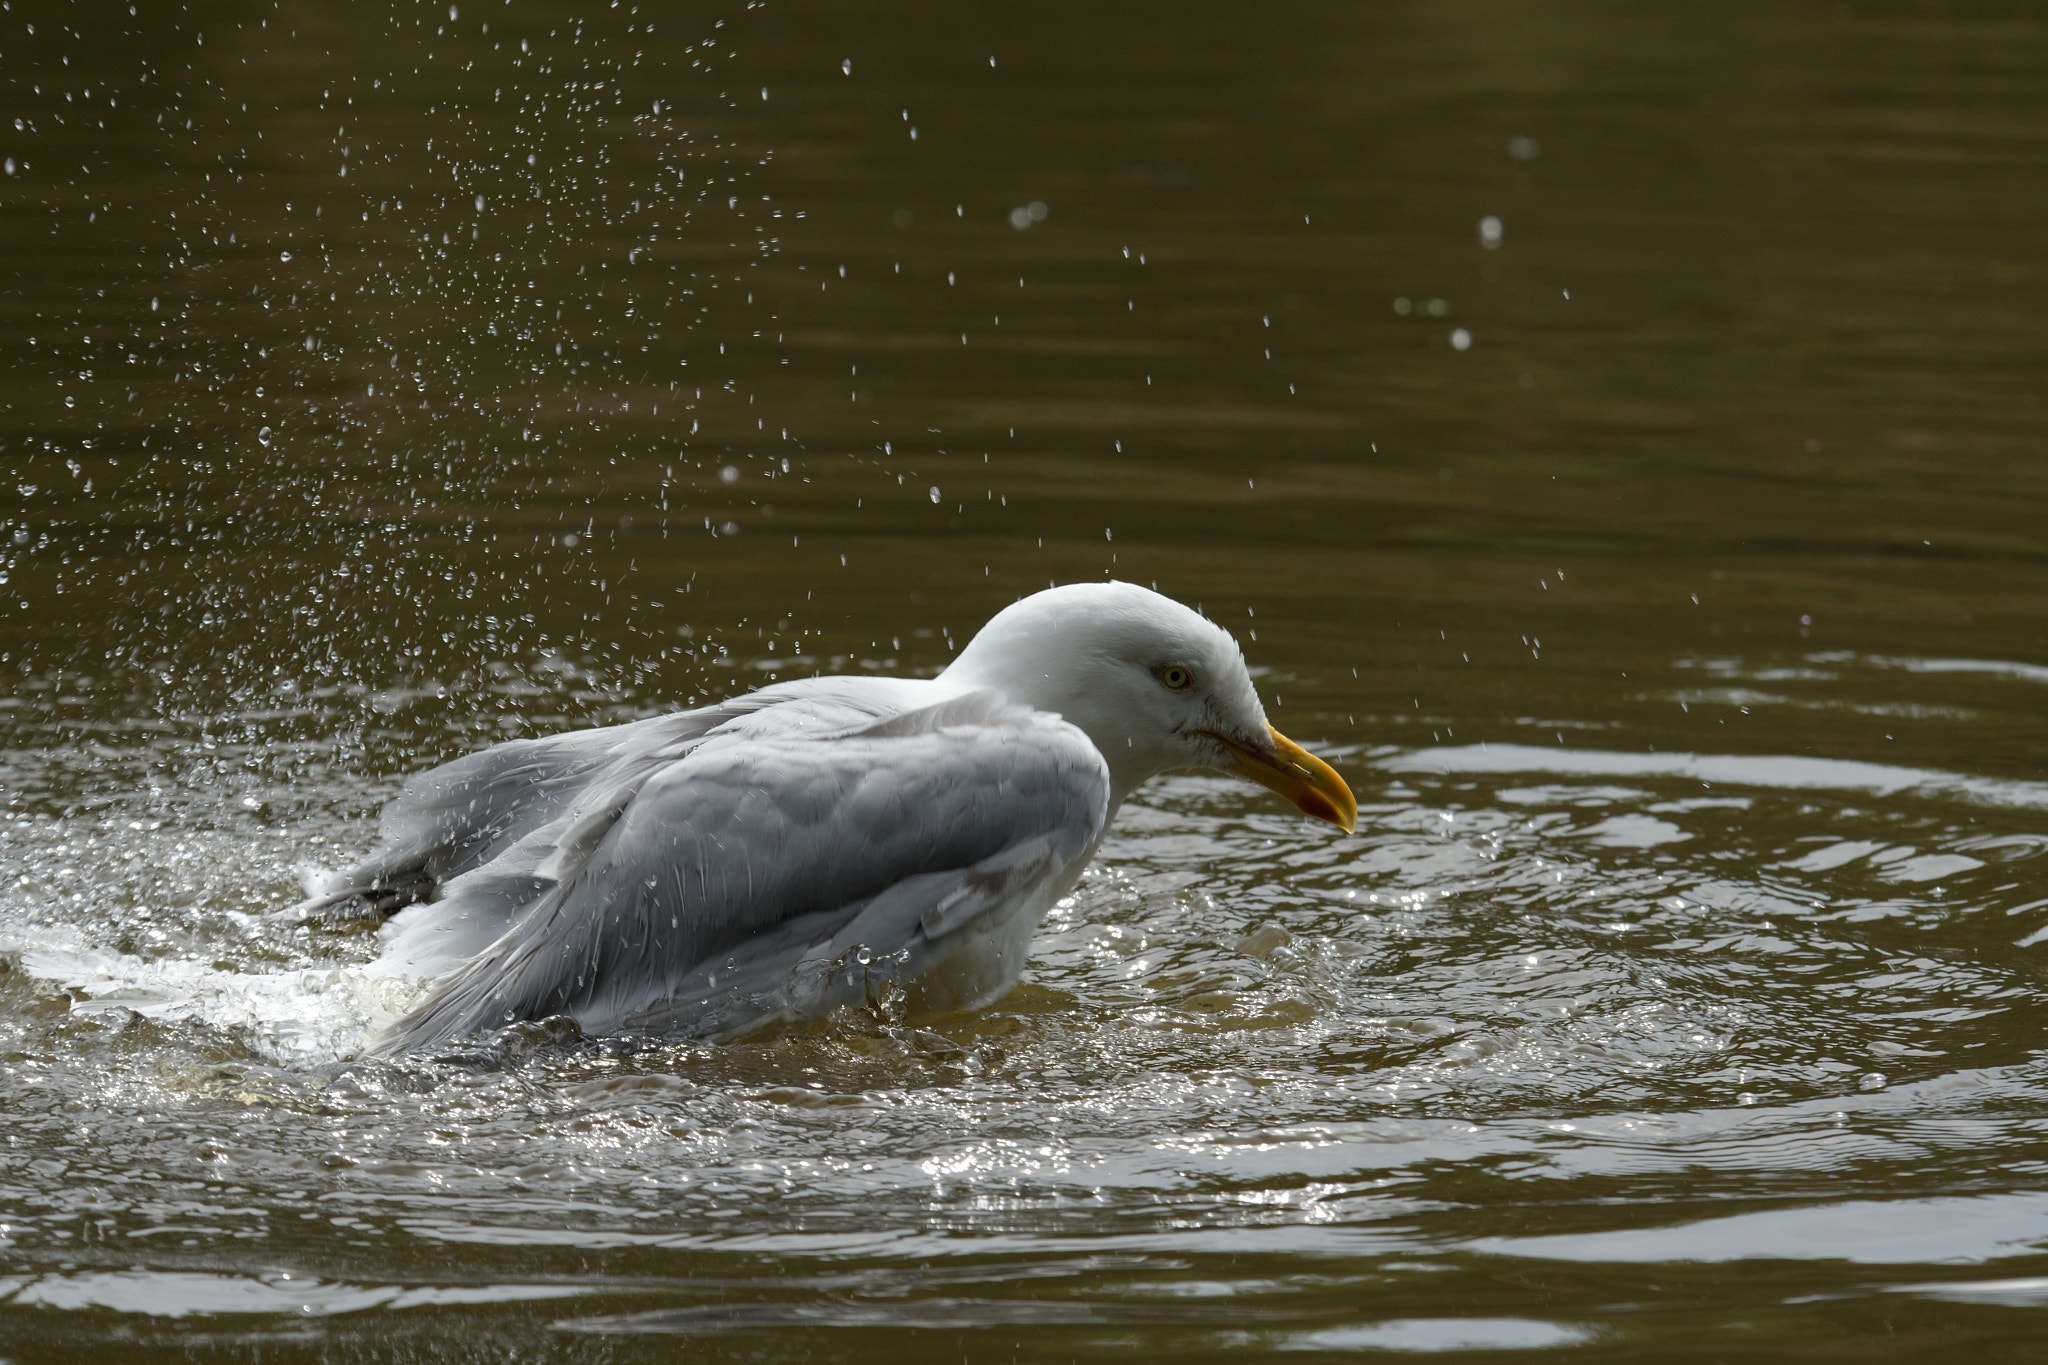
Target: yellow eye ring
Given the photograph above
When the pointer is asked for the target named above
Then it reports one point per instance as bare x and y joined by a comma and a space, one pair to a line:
1176, 677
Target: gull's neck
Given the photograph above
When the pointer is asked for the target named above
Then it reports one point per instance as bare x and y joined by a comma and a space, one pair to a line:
1023, 677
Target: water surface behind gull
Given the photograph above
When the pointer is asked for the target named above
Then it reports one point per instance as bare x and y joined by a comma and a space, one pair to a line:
383, 387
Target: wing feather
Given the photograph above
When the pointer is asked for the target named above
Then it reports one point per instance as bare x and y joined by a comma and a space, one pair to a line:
766, 848
463, 815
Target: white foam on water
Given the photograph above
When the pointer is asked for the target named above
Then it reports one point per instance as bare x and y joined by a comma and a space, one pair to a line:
296, 1015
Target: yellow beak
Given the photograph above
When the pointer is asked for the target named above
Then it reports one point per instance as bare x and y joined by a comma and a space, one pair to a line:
1298, 775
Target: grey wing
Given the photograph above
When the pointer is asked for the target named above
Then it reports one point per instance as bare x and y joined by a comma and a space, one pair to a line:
752, 854
469, 814
456, 817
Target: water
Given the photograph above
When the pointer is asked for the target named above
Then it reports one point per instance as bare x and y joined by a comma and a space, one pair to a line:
1679, 996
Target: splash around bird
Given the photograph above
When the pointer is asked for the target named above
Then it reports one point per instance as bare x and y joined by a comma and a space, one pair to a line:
778, 855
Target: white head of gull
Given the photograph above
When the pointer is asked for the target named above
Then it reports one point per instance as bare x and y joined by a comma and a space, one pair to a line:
791, 851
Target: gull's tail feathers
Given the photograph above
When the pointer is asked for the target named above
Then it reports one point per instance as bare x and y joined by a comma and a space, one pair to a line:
466, 814
364, 896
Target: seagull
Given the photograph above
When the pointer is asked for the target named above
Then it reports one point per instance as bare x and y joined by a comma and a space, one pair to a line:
804, 847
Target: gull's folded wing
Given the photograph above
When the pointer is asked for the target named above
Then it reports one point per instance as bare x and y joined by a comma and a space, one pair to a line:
475, 812
457, 817
711, 876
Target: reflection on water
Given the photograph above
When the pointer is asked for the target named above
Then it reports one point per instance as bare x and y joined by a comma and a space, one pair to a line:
1615, 438
175, 1294
1774, 770
1886, 1232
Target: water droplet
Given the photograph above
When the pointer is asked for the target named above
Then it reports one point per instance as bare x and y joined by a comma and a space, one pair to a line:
1489, 232
1461, 340
935, 492
284, 255
729, 474
263, 437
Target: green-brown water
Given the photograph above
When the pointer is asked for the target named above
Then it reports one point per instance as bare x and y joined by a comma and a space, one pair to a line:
1666, 576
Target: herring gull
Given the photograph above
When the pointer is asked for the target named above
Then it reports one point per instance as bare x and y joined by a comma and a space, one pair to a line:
786, 852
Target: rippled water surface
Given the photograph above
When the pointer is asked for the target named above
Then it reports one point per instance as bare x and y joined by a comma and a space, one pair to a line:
1614, 432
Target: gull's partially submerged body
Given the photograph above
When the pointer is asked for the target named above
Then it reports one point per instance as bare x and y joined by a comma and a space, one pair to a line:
781, 854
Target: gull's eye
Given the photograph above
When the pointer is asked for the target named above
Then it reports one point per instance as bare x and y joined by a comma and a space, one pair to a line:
1177, 677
